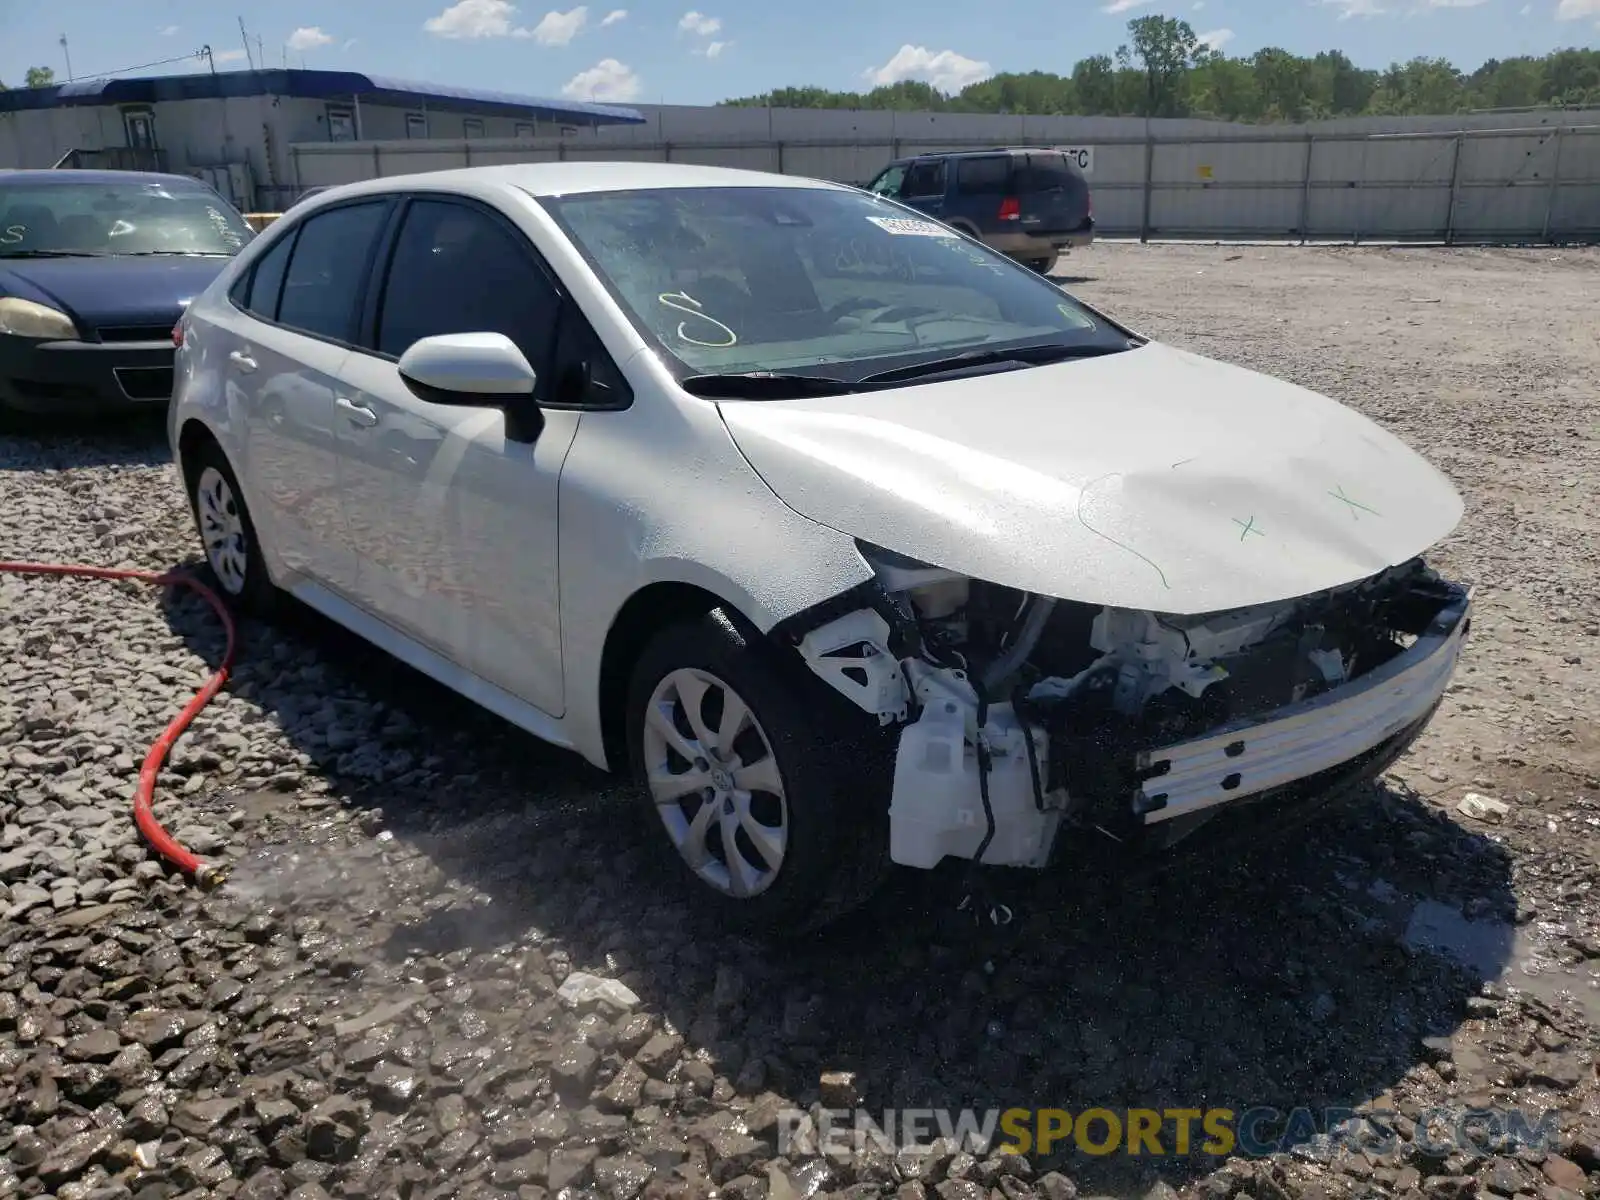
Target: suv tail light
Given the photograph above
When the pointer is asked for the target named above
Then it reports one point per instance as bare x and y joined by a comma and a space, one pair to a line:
1010, 209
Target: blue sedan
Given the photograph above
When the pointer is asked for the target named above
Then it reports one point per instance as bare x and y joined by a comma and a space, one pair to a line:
96, 268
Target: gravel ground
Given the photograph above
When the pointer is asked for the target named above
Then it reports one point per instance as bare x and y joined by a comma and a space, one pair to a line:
389, 997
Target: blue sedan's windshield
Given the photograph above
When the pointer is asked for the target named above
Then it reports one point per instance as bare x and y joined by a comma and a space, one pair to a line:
75, 217
731, 280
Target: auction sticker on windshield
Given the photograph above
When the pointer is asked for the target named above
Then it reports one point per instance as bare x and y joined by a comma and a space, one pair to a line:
910, 227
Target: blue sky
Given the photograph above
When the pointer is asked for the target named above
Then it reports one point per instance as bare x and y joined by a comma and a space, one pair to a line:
655, 51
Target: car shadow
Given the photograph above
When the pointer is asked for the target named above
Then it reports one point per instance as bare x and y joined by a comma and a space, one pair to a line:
1278, 979
1072, 280
120, 439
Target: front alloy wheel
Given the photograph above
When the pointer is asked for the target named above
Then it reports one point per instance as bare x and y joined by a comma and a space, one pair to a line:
772, 802
715, 782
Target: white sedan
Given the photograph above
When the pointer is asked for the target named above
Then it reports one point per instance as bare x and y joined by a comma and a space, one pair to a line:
852, 540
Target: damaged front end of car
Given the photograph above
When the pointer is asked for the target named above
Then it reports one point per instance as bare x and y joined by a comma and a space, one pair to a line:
1023, 717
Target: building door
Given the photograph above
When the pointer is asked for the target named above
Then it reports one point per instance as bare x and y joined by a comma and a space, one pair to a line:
140, 126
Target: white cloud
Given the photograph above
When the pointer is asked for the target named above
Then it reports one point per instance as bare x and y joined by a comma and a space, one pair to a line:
1578, 10
1199, 4
714, 49
607, 80
1217, 38
349, 42
475, 19
228, 56
308, 37
1356, 8
1117, 6
167, 30
698, 22
559, 28
945, 69
612, 17
1453, 3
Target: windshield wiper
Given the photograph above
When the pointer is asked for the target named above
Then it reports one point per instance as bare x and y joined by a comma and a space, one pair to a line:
55, 254
763, 385
175, 253
1029, 355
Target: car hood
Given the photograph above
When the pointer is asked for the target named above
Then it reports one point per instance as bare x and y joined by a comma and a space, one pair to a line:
1153, 479
111, 291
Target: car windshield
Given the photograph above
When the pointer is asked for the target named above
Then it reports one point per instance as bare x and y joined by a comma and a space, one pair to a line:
843, 285
75, 217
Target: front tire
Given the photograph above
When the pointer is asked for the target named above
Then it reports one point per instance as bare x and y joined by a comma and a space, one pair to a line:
756, 784
234, 561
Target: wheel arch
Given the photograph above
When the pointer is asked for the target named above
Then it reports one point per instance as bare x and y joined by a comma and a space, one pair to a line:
652, 608
193, 434
663, 603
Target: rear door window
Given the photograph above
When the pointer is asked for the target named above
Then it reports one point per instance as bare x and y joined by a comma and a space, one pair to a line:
983, 176
925, 178
327, 273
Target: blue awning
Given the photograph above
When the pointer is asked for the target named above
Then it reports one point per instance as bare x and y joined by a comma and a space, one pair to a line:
312, 85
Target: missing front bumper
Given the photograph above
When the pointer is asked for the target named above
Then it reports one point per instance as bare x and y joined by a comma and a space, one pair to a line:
1307, 739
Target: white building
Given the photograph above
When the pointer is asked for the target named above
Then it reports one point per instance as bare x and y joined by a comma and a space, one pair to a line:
234, 128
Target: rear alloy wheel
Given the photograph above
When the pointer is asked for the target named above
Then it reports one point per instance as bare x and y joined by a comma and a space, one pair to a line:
228, 536
749, 774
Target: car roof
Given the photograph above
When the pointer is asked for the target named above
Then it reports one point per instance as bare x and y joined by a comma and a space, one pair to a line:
569, 178
990, 152
73, 175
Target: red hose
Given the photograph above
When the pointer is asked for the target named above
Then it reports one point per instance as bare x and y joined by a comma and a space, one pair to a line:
207, 875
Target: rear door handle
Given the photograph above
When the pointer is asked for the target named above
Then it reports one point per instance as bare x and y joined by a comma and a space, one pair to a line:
359, 414
242, 360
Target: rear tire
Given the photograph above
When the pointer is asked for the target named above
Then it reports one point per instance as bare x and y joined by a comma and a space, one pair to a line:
766, 795
1044, 265
234, 563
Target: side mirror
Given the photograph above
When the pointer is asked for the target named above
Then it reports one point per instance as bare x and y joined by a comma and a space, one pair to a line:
475, 370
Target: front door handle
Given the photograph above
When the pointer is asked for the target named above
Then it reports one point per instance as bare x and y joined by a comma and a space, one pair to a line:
359, 414
242, 360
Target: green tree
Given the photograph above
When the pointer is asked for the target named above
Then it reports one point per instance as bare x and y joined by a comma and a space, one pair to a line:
1165, 48
1224, 87
1282, 81
1094, 83
40, 77
1037, 92
1163, 70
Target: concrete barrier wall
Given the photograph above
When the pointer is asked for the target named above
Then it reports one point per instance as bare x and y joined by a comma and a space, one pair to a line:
1493, 178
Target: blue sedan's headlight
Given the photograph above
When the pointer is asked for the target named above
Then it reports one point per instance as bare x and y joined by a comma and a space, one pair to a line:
24, 318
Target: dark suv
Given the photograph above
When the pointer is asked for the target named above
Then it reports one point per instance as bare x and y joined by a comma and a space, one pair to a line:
1028, 204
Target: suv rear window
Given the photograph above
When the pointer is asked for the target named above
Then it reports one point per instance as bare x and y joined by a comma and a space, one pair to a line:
1044, 172
983, 176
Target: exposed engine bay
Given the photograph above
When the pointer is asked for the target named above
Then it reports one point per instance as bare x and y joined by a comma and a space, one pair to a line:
1023, 714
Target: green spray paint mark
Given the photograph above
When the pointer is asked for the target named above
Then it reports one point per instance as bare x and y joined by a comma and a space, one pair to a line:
1353, 505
